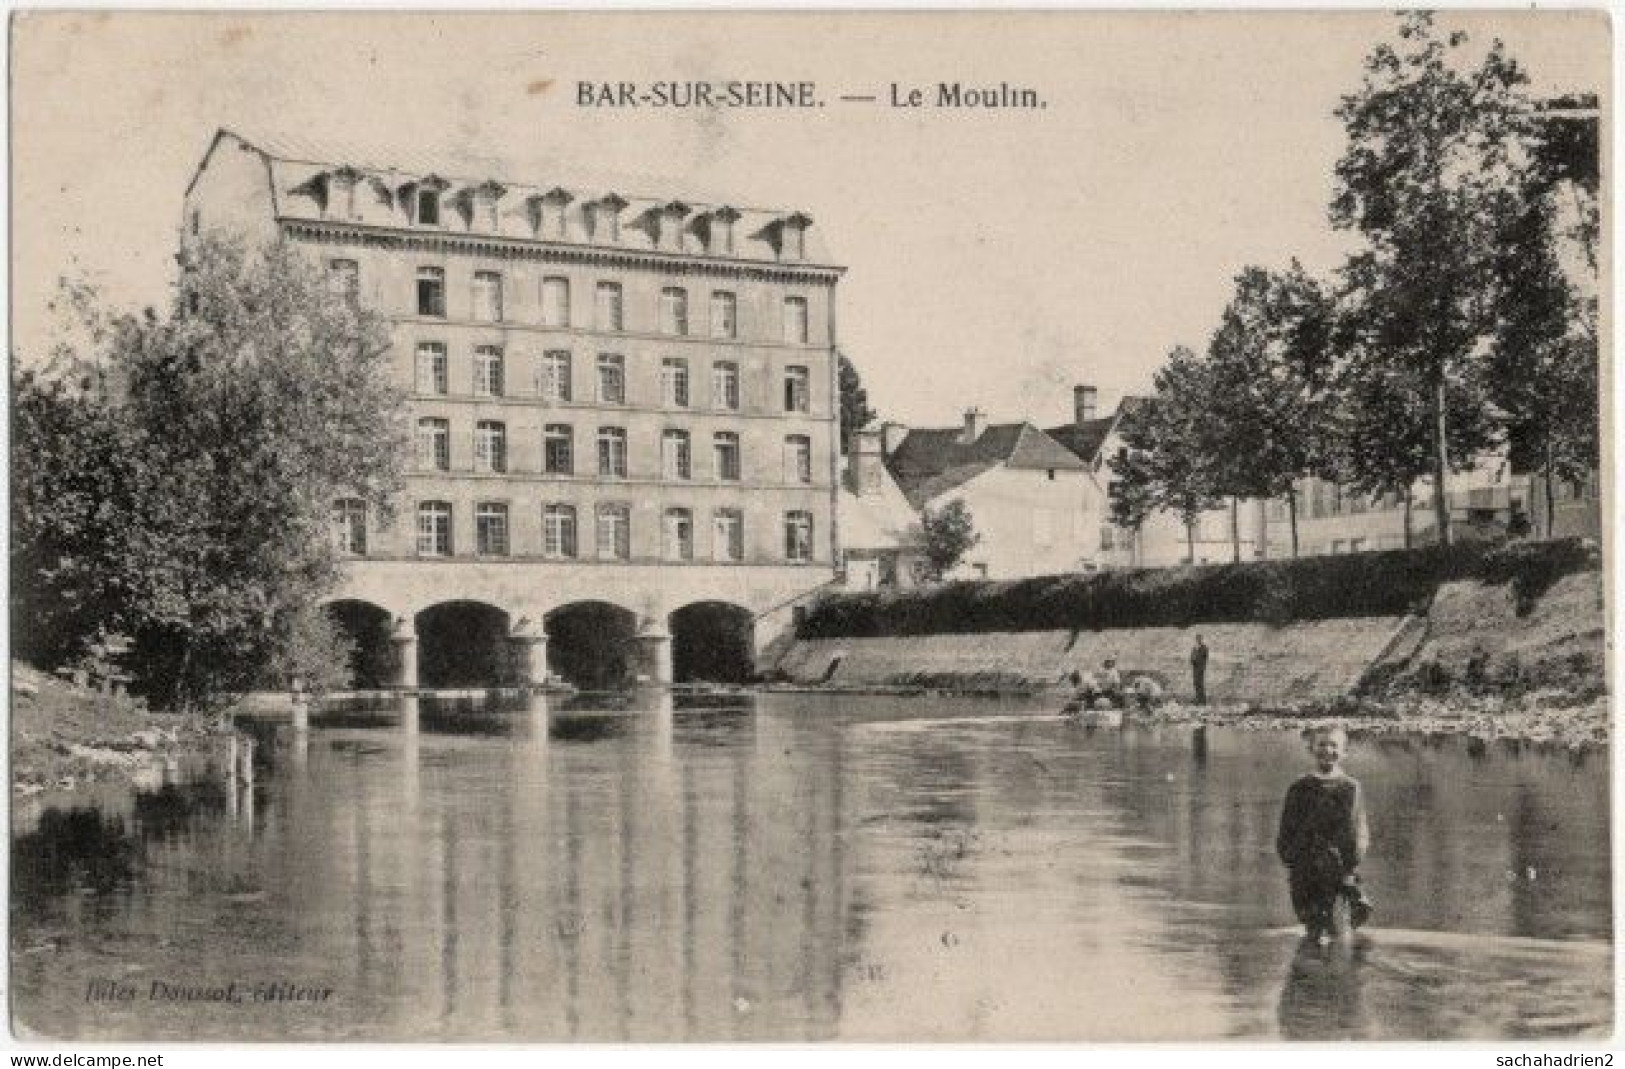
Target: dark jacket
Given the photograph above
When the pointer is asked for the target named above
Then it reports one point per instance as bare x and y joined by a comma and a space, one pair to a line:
1323, 823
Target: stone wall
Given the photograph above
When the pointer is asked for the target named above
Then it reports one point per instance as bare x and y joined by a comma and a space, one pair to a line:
1248, 662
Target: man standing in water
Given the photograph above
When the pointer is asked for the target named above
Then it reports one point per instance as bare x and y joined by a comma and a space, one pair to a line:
1199, 670
1323, 836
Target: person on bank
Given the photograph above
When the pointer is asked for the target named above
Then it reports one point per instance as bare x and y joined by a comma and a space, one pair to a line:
1323, 838
1109, 682
1199, 670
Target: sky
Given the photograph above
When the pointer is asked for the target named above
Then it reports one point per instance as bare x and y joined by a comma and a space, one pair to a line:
995, 258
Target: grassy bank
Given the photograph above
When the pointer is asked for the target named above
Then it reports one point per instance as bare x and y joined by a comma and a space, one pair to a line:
1390, 583
65, 737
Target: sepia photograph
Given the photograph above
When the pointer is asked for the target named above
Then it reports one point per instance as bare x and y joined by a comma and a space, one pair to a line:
714, 527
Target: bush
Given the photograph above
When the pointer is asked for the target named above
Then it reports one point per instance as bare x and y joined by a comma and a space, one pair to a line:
1389, 583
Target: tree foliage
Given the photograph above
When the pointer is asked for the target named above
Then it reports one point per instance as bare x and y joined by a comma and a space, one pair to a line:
855, 410
950, 533
1430, 179
184, 497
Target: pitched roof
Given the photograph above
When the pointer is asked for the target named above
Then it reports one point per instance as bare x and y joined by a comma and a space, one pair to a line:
929, 463
1085, 439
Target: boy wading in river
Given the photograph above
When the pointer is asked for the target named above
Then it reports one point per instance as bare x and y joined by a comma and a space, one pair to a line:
1322, 839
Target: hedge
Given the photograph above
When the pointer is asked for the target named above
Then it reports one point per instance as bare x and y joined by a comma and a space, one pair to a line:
1387, 583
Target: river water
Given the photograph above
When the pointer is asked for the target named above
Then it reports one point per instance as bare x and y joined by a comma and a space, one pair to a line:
805, 867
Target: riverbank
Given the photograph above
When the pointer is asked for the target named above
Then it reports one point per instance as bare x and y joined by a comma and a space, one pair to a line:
66, 738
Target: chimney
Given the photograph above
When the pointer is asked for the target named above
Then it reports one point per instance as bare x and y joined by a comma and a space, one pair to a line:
891, 436
975, 424
1083, 404
868, 459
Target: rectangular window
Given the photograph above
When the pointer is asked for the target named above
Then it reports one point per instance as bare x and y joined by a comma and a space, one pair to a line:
555, 302
797, 459
434, 529
797, 389
344, 276
488, 296
674, 455
677, 542
724, 315
1108, 538
491, 529
614, 535
674, 382
431, 367
728, 535
725, 385
726, 446
612, 452
434, 444
798, 545
558, 449
488, 371
673, 310
431, 292
558, 530
553, 376
607, 313
611, 379
350, 527
428, 207
795, 320
490, 446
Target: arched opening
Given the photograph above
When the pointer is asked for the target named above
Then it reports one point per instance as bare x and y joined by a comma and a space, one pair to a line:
367, 627
590, 644
462, 644
713, 642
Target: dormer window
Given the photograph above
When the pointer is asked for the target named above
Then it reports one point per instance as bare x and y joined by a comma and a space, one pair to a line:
341, 192
721, 233
483, 200
671, 225
792, 232
425, 201
547, 213
606, 220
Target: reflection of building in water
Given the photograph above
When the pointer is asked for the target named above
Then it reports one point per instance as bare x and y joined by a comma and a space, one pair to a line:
660, 887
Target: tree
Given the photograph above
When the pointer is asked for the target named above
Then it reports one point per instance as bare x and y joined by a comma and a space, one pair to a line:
1167, 465
855, 410
950, 533
1266, 395
223, 432
1429, 178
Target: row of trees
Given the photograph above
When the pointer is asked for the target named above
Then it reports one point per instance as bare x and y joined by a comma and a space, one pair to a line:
173, 475
1465, 322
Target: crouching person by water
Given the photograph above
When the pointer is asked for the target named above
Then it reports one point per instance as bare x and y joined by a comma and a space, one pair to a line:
1323, 837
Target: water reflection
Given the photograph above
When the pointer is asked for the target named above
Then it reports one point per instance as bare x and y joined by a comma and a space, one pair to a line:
809, 867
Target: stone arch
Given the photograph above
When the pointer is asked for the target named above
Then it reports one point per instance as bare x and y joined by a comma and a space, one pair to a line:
713, 641
590, 644
367, 626
462, 644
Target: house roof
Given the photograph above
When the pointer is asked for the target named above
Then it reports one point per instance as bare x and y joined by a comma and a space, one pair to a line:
1084, 439
931, 462
298, 162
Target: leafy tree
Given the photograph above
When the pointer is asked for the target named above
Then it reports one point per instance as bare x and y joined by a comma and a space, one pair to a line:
1168, 465
223, 431
1429, 178
1267, 395
1543, 358
950, 533
1131, 495
855, 410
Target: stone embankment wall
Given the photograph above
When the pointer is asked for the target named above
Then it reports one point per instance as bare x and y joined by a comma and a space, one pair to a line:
1247, 662
1558, 640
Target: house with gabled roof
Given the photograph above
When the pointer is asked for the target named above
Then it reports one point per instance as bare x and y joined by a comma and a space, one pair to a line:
1033, 501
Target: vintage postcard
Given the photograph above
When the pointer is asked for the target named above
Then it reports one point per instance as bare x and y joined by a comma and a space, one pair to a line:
913, 527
